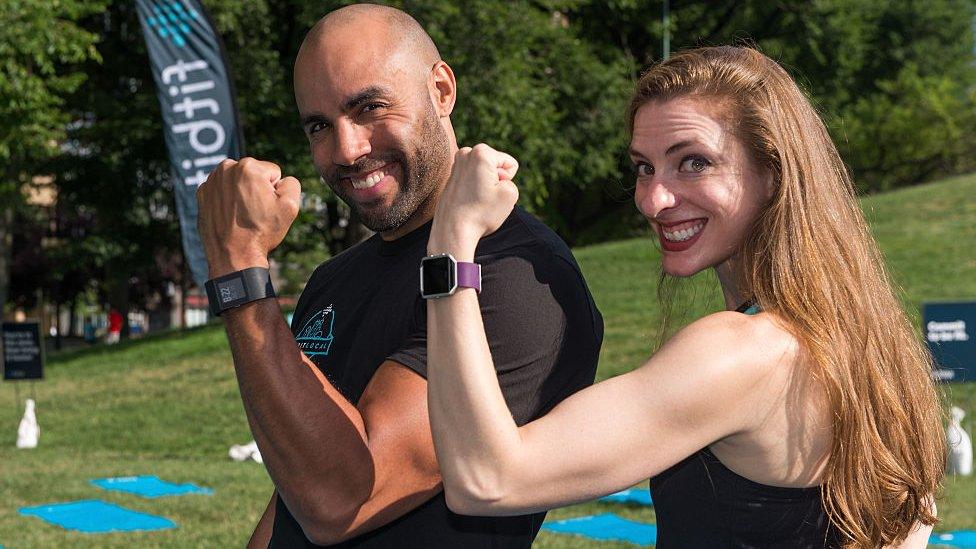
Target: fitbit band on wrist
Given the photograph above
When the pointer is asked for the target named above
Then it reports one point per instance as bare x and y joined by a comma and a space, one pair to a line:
237, 288
441, 275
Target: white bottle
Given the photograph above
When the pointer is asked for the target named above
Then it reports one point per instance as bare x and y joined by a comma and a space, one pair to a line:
28, 432
245, 452
960, 445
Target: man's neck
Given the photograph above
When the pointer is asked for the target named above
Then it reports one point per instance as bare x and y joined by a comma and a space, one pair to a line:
408, 227
423, 214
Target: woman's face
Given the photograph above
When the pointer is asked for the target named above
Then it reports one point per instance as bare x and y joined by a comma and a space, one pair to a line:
696, 183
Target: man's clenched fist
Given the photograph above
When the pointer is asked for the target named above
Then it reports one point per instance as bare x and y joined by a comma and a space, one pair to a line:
245, 210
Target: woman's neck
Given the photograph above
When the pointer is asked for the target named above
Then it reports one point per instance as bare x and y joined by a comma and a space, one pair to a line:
730, 289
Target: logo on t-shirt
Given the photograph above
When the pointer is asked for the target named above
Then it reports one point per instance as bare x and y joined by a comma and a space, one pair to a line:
315, 338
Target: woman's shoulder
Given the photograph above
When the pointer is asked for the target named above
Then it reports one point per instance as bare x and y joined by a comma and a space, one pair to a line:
749, 345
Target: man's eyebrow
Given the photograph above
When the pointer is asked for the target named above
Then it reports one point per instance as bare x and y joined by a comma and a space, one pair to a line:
363, 96
312, 118
369, 94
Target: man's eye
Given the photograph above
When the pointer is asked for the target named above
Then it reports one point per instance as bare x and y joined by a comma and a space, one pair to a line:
643, 169
316, 127
370, 107
694, 164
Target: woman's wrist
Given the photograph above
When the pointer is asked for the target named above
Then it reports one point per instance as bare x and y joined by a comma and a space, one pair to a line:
459, 243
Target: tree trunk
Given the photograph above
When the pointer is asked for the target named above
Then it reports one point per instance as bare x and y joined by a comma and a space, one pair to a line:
6, 243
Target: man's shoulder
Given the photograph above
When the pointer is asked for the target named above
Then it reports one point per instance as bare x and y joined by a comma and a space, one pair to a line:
524, 234
527, 266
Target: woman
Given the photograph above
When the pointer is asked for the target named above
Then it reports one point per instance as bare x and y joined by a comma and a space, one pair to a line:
803, 416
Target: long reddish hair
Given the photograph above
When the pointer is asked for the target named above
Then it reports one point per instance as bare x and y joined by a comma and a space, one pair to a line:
810, 260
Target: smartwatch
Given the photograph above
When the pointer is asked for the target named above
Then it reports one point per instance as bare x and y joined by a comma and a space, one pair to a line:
441, 275
237, 288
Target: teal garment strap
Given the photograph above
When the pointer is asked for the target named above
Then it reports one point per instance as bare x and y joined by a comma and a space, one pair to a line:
750, 307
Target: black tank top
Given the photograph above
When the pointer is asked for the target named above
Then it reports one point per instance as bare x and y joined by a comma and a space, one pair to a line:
700, 502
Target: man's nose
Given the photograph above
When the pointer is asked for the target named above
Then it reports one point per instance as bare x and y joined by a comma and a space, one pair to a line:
352, 143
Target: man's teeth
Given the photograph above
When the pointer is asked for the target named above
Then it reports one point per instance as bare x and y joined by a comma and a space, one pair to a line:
370, 181
684, 234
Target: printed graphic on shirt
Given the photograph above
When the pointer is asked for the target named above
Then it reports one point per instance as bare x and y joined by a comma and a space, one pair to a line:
315, 338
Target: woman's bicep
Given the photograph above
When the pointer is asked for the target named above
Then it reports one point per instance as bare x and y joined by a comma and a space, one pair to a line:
612, 435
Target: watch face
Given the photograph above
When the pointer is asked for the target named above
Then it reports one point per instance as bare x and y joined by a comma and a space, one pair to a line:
437, 276
230, 290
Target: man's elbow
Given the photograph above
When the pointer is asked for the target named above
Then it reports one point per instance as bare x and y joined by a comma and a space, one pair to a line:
330, 526
327, 519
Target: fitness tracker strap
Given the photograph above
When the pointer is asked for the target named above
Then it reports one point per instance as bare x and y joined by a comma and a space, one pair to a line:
237, 288
469, 275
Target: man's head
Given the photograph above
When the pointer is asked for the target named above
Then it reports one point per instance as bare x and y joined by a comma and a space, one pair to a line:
375, 99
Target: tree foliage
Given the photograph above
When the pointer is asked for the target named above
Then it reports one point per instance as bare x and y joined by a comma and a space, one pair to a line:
547, 80
38, 38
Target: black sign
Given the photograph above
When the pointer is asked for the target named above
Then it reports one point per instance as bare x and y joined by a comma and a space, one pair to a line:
950, 331
22, 352
197, 100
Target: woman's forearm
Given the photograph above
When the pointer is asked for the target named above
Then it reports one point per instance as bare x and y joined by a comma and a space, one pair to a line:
474, 435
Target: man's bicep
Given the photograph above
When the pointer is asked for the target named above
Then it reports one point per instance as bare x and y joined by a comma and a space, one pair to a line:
394, 411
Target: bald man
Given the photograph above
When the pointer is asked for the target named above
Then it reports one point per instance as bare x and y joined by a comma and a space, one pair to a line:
338, 403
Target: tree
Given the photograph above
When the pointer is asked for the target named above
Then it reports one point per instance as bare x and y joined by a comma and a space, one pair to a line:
37, 38
893, 80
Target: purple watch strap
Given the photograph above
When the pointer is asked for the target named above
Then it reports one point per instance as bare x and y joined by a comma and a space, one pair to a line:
469, 275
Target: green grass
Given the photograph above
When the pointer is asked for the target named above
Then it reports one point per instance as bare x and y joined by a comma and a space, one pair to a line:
168, 405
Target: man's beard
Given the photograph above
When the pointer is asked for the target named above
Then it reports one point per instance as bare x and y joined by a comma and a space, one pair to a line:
420, 174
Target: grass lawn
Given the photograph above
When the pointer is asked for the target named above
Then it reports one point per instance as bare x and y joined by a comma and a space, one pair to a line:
168, 405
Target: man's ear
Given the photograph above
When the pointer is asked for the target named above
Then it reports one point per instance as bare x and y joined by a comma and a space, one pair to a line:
443, 88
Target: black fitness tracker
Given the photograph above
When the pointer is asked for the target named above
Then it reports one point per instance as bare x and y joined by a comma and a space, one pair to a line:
237, 288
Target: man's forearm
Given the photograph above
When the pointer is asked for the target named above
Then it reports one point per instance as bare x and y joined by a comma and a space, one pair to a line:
308, 433
265, 526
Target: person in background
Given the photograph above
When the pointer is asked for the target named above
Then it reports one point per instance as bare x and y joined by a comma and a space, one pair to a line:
803, 415
89, 330
114, 326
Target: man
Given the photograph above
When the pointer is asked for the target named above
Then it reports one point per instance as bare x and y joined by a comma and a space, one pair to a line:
339, 408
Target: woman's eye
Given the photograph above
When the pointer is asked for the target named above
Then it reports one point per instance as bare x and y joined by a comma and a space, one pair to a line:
643, 169
694, 164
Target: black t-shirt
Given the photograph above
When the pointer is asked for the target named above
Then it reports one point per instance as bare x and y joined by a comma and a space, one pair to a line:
363, 307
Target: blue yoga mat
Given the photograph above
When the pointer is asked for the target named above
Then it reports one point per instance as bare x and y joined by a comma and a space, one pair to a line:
958, 538
94, 516
606, 527
149, 486
637, 496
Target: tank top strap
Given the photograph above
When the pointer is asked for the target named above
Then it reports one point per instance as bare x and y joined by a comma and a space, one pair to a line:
750, 307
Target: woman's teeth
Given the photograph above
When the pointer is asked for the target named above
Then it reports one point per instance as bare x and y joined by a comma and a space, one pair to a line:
370, 181
684, 234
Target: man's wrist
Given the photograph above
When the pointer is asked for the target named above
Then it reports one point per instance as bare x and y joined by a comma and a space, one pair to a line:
226, 266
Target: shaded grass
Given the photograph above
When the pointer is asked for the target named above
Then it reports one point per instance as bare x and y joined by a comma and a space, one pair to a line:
168, 404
